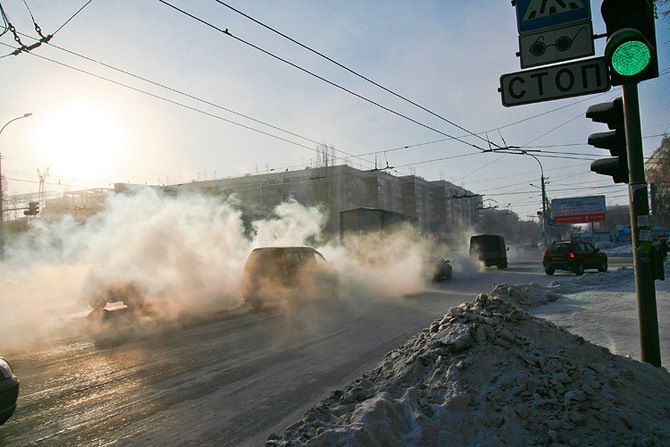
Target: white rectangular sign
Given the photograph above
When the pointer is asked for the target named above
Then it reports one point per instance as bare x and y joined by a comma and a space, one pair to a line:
554, 82
578, 210
556, 45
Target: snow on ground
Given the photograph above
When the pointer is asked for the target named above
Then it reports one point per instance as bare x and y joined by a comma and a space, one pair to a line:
496, 372
603, 307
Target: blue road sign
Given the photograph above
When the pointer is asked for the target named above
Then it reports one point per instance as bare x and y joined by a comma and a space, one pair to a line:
535, 15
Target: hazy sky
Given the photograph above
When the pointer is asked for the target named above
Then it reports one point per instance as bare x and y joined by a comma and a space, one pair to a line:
137, 91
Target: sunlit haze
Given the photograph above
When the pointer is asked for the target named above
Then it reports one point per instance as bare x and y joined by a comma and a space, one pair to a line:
82, 140
140, 92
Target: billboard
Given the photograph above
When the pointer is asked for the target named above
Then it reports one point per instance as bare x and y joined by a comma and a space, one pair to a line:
576, 210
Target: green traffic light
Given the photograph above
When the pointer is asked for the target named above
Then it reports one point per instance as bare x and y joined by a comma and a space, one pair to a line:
630, 58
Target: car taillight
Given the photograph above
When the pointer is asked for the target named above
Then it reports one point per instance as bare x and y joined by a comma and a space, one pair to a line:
544, 255
572, 255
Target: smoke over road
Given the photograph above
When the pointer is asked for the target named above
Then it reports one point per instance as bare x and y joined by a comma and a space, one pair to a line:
185, 254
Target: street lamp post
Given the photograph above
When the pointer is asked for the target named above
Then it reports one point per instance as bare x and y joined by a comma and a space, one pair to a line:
544, 197
2, 229
517, 151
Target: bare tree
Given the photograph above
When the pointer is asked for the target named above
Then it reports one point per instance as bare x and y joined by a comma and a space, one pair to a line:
325, 156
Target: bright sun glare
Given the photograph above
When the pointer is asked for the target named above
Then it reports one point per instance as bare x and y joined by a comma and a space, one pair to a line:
81, 141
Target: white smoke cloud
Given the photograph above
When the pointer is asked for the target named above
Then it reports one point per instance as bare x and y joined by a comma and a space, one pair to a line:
186, 255
294, 224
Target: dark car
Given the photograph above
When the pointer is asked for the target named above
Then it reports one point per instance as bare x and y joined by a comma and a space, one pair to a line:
9, 391
573, 256
489, 249
127, 292
274, 274
441, 269
100, 288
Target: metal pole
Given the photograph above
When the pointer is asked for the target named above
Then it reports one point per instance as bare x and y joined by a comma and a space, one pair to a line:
641, 231
544, 197
544, 207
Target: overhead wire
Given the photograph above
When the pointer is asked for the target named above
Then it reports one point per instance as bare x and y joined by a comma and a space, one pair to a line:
171, 101
427, 161
193, 97
5, 22
321, 78
144, 79
72, 17
43, 39
355, 73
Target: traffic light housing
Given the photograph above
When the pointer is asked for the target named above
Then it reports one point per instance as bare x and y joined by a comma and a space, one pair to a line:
33, 209
612, 114
631, 40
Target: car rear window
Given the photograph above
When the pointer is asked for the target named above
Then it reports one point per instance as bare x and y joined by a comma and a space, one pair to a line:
559, 248
264, 259
300, 258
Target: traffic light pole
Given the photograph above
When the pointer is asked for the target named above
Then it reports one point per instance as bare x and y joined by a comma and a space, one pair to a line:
641, 231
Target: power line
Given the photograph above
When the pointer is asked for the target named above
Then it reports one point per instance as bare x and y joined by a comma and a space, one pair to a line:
428, 161
72, 17
376, 84
43, 39
153, 95
321, 78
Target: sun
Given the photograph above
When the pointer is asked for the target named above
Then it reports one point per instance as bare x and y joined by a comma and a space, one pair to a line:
82, 140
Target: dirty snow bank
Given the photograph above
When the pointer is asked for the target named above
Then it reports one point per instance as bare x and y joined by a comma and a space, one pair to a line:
490, 374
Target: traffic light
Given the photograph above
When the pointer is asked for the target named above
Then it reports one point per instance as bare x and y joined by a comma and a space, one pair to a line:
33, 209
612, 114
631, 40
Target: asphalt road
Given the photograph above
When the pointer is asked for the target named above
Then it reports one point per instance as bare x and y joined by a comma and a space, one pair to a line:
228, 379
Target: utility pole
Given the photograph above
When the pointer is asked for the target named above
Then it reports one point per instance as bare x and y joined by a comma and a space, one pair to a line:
544, 196
544, 209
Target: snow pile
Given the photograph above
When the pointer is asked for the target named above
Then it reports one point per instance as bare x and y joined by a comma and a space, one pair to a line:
490, 374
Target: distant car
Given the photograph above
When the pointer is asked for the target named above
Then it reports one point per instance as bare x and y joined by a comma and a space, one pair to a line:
274, 274
573, 256
101, 288
489, 249
441, 269
9, 391
127, 292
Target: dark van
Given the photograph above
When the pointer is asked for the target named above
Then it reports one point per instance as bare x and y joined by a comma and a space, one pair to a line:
489, 249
